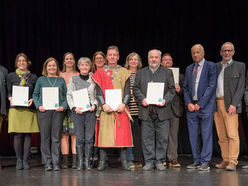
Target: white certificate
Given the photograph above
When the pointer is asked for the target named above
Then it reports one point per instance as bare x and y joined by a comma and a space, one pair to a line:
50, 98
175, 72
155, 93
81, 99
20, 95
113, 98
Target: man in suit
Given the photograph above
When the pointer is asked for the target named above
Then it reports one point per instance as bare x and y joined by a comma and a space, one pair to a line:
155, 122
3, 78
199, 96
229, 93
177, 112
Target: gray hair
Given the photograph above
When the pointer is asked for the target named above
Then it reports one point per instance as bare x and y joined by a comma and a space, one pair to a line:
155, 50
84, 60
228, 43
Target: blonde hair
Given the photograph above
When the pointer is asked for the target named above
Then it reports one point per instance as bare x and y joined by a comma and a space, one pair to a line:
129, 57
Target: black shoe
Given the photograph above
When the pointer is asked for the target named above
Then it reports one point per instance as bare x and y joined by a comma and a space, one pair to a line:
74, 161
204, 167
19, 164
25, 165
101, 166
194, 165
64, 164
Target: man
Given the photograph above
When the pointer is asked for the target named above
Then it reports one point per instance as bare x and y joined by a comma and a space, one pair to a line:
199, 96
177, 112
246, 104
114, 129
3, 79
155, 122
229, 93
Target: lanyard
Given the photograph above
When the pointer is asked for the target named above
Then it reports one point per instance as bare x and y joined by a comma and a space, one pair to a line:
196, 73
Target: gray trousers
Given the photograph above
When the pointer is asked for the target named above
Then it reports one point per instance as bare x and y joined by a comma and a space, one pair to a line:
84, 127
154, 140
173, 139
50, 123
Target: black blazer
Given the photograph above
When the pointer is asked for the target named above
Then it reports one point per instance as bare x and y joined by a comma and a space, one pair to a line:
143, 77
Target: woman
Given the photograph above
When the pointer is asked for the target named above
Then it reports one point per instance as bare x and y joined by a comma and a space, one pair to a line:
22, 120
98, 61
50, 121
133, 63
84, 120
69, 70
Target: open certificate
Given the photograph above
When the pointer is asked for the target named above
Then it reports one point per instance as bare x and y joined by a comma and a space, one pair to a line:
81, 99
155, 93
20, 96
50, 98
175, 72
113, 98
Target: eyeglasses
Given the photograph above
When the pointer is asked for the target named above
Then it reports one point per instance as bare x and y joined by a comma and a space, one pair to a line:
99, 58
229, 51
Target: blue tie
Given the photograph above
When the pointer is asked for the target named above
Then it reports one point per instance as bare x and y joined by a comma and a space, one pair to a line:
195, 72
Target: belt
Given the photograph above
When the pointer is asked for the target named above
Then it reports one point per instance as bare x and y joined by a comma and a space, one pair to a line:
195, 102
220, 98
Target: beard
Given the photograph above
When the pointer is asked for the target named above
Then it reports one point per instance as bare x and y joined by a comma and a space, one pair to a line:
154, 65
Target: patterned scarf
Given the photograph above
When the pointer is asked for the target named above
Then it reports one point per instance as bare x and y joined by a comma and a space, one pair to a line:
24, 76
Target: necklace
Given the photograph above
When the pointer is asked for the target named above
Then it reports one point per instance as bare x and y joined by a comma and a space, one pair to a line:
113, 75
52, 85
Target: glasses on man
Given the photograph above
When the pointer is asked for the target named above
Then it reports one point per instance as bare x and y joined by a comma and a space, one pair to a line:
229, 51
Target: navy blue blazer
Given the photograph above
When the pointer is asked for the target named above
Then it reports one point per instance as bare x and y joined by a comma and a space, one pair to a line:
206, 91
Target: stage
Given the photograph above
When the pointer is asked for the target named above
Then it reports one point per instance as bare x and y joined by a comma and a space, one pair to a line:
114, 175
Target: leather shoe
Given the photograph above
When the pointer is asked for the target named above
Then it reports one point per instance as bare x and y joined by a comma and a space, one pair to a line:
231, 167
222, 165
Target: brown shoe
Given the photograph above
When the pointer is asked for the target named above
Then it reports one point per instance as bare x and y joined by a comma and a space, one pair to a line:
231, 167
222, 165
174, 163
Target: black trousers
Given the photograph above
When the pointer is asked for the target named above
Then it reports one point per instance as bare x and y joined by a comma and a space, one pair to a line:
50, 123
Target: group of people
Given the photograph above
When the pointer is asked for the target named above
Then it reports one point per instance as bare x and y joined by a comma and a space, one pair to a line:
142, 131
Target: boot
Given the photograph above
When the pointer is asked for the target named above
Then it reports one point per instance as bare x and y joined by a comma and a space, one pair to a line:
19, 164
80, 158
65, 161
88, 151
124, 163
102, 161
74, 161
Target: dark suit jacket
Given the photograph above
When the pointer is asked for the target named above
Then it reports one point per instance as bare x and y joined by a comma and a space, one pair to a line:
234, 84
206, 91
162, 75
3, 97
177, 103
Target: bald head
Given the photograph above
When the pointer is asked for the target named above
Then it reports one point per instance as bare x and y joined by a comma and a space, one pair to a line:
197, 53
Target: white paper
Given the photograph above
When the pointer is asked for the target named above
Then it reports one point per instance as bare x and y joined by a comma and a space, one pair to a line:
20, 95
113, 98
81, 99
175, 72
50, 98
155, 93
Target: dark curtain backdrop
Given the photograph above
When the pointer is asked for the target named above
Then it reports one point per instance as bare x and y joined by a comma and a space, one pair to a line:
44, 28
